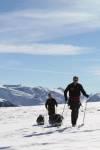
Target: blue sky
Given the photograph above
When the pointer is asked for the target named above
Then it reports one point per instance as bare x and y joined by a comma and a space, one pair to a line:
47, 42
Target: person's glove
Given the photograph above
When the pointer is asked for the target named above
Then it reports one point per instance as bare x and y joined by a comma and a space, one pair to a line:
66, 100
87, 96
80, 104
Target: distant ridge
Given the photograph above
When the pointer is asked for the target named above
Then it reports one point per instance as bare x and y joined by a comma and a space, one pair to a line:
19, 95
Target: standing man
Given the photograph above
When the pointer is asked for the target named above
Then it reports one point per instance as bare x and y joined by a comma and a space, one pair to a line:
75, 89
50, 106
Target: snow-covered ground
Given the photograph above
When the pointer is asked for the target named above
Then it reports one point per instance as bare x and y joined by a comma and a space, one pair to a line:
18, 129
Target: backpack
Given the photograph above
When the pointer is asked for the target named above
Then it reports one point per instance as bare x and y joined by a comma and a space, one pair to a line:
56, 119
40, 120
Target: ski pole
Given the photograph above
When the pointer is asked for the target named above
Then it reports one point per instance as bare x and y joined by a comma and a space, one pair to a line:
85, 109
84, 113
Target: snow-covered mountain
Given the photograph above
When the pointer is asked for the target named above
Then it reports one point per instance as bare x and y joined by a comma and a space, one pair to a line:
5, 103
29, 96
95, 98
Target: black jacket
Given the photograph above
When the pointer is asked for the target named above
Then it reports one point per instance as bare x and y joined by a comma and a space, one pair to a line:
74, 91
50, 105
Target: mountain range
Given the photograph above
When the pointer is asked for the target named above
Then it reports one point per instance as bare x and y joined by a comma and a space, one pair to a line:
18, 95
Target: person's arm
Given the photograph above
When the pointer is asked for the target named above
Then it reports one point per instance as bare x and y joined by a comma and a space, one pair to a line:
83, 91
65, 93
56, 103
46, 104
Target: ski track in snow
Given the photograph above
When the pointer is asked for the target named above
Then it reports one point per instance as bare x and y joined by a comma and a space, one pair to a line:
19, 131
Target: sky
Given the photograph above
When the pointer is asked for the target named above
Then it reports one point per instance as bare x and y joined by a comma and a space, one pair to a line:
45, 43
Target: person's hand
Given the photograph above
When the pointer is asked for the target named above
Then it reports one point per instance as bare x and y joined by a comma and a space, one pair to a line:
87, 96
80, 104
66, 100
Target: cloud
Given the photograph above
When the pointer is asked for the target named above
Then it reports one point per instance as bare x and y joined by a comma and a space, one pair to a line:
41, 25
97, 72
44, 49
94, 70
79, 5
34, 70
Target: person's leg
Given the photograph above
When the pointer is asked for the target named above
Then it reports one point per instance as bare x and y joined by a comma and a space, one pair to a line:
50, 119
74, 116
77, 111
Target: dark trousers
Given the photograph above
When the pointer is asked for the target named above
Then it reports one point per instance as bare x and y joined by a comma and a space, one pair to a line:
74, 116
74, 106
51, 111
